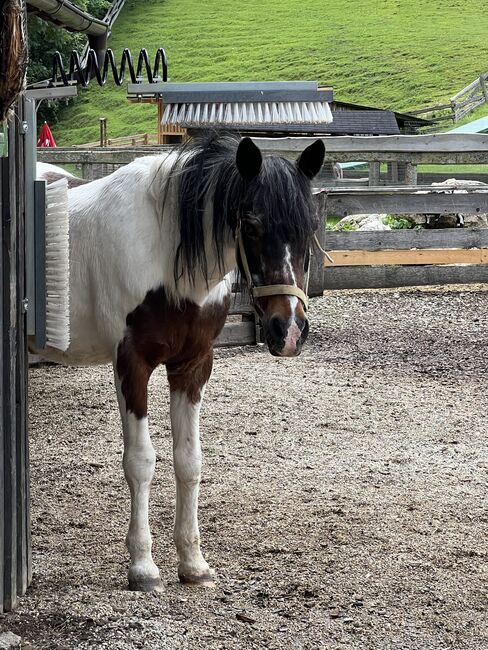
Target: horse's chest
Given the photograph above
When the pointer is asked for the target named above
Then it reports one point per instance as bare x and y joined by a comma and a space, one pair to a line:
160, 332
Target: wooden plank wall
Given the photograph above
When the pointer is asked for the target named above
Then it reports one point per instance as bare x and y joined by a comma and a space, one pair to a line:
15, 555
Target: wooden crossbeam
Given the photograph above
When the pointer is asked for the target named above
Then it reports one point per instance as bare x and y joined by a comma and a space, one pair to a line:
407, 257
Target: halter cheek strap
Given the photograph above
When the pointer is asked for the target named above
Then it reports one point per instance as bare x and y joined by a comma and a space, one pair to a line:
265, 291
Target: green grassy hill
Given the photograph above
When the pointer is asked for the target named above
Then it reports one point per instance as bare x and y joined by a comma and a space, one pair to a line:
400, 54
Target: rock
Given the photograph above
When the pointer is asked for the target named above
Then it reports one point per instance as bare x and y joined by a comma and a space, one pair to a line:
363, 222
451, 220
9, 641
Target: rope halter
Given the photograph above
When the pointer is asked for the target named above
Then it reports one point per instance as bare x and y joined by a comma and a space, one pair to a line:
264, 291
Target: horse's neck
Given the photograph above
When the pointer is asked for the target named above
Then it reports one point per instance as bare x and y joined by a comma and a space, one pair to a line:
198, 289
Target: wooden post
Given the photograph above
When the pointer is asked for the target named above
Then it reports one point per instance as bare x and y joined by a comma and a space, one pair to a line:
374, 173
316, 282
410, 174
484, 87
103, 131
393, 173
15, 559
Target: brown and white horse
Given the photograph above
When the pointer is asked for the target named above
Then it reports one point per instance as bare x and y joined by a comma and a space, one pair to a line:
152, 248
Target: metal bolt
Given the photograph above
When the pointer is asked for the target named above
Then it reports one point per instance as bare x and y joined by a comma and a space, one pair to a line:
24, 127
25, 305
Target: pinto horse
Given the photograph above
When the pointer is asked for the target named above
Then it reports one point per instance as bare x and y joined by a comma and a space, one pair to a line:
152, 248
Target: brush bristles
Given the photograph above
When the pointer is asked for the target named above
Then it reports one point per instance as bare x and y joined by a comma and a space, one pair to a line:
57, 265
251, 113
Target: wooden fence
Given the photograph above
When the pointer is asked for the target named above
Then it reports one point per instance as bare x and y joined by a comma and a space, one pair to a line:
404, 198
15, 558
399, 258
462, 104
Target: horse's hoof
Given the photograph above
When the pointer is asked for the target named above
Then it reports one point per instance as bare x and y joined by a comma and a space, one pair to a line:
146, 584
202, 580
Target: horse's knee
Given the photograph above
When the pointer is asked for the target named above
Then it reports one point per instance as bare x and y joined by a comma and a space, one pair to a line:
139, 464
187, 464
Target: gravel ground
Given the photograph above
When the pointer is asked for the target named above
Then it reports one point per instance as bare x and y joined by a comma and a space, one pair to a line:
343, 499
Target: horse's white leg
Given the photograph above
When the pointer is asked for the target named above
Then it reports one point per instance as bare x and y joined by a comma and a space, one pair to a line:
139, 461
186, 395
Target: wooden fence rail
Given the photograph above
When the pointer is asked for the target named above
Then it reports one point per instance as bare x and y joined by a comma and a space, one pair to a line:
402, 257
452, 149
461, 104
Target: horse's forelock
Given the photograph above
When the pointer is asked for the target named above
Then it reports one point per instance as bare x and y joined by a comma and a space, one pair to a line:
206, 173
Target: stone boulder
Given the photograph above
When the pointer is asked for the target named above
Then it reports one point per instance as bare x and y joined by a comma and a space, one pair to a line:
362, 222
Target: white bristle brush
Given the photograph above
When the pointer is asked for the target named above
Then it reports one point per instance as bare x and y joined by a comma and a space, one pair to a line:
57, 265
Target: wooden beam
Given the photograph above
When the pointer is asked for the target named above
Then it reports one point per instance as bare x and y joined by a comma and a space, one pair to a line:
404, 200
377, 277
405, 239
242, 333
437, 143
408, 257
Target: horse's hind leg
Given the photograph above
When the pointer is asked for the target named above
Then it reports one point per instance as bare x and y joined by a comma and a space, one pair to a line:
131, 378
187, 383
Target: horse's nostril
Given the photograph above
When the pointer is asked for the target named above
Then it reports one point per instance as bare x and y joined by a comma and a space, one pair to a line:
277, 327
302, 323
305, 329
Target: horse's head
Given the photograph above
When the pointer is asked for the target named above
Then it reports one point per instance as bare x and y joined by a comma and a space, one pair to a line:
277, 219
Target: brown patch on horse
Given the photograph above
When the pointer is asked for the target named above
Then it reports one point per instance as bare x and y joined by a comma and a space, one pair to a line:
179, 336
281, 306
73, 181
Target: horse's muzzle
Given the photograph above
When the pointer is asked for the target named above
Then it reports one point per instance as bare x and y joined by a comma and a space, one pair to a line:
285, 338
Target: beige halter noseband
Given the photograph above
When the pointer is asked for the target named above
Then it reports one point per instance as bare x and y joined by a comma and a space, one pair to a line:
271, 289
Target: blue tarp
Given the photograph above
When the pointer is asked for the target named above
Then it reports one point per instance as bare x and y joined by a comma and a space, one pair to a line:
477, 126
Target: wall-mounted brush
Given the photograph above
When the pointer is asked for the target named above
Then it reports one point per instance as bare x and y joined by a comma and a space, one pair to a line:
48, 296
239, 104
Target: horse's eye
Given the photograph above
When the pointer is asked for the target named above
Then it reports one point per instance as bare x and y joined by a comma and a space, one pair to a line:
251, 229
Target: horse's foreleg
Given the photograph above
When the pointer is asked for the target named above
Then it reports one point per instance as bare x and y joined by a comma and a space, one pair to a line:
131, 378
187, 386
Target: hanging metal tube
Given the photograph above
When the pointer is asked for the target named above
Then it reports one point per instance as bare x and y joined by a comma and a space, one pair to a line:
68, 15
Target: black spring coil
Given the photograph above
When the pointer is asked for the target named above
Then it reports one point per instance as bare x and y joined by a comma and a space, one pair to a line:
83, 75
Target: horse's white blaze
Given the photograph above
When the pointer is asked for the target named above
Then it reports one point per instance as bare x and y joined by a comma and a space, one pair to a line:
187, 458
293, 332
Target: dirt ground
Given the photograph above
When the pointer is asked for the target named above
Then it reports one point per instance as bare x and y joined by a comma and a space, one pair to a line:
344, 493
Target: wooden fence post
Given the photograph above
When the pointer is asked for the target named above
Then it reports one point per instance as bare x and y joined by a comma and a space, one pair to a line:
410, 174
484, 88
15, 562
316, 282
374, 173
103, 131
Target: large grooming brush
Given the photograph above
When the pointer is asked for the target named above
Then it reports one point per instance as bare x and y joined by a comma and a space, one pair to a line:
57, 265
240, 104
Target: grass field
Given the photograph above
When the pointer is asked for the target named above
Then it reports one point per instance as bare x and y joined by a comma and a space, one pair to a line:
400, 54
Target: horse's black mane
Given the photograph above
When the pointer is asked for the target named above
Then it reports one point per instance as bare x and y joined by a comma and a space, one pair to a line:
206, 171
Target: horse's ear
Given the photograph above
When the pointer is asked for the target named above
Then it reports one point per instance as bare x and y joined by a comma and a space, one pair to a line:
248, 159
312, 159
